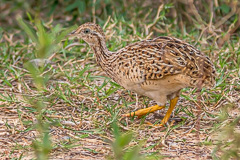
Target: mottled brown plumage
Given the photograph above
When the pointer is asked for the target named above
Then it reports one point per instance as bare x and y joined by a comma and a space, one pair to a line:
158, 68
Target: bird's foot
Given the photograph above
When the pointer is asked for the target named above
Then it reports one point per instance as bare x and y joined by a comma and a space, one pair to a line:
144, 111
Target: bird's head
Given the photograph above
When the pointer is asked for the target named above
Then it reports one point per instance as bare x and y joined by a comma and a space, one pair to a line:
90, 32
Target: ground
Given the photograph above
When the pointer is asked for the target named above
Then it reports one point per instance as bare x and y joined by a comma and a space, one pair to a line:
82, 128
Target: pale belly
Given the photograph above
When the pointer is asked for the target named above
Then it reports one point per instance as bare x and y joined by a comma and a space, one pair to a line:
159, 90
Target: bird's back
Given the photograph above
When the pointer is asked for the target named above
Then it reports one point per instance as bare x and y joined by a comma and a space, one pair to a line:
160, 58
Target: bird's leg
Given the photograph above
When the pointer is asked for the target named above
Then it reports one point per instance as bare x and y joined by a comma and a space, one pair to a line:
173, 103
144, 111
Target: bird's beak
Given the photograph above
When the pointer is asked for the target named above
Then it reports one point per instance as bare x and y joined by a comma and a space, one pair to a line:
71, 34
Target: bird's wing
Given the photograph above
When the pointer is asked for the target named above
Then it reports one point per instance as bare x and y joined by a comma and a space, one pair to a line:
161, 57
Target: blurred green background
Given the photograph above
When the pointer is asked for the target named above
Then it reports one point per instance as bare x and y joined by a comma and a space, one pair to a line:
182, 14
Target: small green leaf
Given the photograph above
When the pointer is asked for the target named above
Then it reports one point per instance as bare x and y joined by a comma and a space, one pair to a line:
225, 8
72, 6
125, 139
81, 6
28, 29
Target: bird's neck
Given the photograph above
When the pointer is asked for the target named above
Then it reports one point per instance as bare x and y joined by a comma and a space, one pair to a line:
103, 55
105, 58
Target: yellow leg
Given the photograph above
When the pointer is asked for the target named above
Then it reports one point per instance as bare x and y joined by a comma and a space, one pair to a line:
173, 103
144, 111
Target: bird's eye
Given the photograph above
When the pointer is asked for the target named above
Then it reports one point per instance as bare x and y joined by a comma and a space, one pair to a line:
86, 31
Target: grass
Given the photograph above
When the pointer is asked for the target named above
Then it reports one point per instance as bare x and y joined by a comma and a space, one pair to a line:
68, 108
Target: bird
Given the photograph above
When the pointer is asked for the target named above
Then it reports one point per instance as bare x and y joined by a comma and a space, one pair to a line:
157, 68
